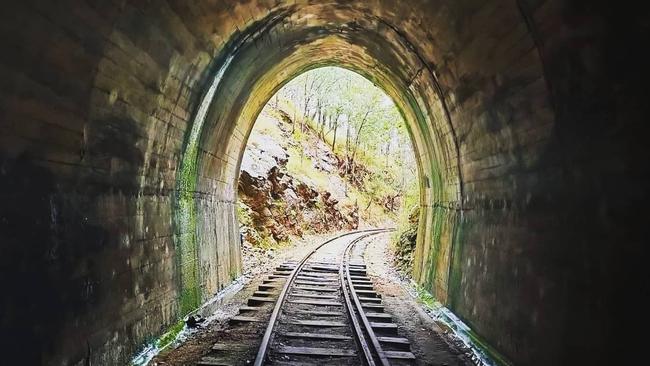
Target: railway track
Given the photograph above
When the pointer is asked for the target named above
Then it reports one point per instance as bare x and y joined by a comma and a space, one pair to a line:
322, 310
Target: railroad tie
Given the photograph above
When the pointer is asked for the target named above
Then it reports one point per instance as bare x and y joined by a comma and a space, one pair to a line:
313, 296
321, 336
315, 323
316, 302
317, 289
316, 351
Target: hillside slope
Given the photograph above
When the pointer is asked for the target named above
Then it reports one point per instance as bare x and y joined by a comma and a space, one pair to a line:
293, 184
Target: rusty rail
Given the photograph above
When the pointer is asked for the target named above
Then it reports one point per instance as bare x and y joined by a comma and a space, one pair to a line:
345, 267
268, 334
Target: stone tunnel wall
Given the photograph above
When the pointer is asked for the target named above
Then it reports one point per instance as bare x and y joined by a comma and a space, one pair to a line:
97, 99
531, 139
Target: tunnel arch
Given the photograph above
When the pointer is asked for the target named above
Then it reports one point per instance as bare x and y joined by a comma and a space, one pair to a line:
401, 74
543, 147
311, 36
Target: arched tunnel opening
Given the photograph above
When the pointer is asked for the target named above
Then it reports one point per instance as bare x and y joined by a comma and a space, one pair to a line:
329, 151
123, 125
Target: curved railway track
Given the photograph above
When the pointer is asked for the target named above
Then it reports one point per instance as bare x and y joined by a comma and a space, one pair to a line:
345, 342
325, 312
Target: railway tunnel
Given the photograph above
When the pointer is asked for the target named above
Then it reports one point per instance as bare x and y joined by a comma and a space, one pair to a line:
123, 125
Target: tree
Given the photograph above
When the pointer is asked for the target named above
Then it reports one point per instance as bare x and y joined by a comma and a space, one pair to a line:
340, 105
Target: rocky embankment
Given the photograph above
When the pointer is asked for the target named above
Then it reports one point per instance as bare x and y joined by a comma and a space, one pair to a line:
275, 203
405, 245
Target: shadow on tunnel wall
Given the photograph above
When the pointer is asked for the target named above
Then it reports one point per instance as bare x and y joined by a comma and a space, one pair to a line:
566, 257
46, 247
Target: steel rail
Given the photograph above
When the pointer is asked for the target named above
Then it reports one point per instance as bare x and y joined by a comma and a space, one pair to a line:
366, 323
361, 339
266, 339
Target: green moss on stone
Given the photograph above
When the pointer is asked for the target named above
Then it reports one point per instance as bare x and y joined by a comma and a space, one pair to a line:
439, 217
492, 353
186, 221
187, 255
455, 276
168, 337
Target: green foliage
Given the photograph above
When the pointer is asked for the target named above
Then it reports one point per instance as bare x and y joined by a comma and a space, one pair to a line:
244, 214
426, 298
405, 241
366, 132
364, 127
266, 125
171, 334
302, 166
186, 236
267, 242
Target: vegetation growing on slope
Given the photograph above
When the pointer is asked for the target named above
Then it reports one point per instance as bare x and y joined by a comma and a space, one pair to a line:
280, 191
405, 240
348, 141
362, 125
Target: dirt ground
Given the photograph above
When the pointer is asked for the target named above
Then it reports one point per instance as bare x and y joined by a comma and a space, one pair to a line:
429, 342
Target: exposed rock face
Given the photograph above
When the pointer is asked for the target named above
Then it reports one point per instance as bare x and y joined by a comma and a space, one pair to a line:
277, 201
